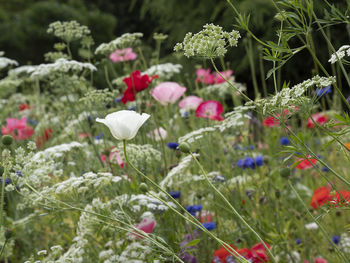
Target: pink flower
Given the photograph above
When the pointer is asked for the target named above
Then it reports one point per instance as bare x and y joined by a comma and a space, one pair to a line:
319, 118
114, 157
210, 109
158, 134
120, 55
190, 103
147, 225
17, 128
204, 76
320, 260
167, 92
227, 74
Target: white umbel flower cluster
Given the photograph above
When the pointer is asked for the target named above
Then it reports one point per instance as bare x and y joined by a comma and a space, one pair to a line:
341, 53
125, 40
196, 135
5, 62
68, 31
22, 70
294, 96
61, 65
235, 118
164, 71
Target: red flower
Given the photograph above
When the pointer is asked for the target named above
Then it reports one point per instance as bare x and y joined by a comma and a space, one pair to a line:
319, 118
270, 122
259, 253
135, 83
342, 198
321, 196
306, 163
222, 253
210, 109
24, 106
41, 140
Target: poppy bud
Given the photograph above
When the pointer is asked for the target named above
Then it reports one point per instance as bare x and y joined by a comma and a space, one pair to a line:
285, 172
143, 187
184, 147
7, 140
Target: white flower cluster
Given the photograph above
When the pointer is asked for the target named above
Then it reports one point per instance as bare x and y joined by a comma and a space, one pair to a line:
196, 135
56, 151
143, 157
342, 51
26, 70
61, 65
125, 40
345, 242
177, 171
164, 71
5, 62
10, 83
211, 42
68, 31
290, 97
135, 252
235, 118
223, 90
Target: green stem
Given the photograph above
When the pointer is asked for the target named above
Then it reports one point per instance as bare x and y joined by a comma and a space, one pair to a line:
107, 77
233, 209
319, 225
194, 222
231, 85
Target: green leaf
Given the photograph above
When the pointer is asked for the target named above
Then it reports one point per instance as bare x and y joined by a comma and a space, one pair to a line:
193, 242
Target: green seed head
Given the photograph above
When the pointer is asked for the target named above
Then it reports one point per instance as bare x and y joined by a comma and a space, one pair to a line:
7, 140
285, 172
184, 147
143, 187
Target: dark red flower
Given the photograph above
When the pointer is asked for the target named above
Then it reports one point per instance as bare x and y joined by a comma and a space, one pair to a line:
24, 106
136, 83
222, 253
41, 140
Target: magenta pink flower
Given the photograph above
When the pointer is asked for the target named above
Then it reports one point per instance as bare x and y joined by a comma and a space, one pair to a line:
204, 76
227, 74
167, 92
114, 157
210, 109
17, 128
190, 102
120, 55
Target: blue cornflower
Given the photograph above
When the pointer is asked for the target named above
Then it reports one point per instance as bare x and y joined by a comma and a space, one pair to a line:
240, 163
209, 226
99, 136
325, 169
220, 178
19, 173
323, 91
248, 162
173, 145
336, 239
192, 209
175, 194
284, 141
185, 114
259, 160
117, 100
7, 181
32, 122
132, 108
298, 241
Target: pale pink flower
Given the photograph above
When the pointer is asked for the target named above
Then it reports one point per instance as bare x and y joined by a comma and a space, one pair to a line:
17, 128
204, 76
114, 157
167, 92
210, 109
158, 134
227, 74
190, 102
120, 55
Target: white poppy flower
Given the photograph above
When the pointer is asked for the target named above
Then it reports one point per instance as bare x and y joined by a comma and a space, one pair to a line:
124, 124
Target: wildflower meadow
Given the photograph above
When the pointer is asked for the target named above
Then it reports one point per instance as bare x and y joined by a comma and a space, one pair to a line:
128, 151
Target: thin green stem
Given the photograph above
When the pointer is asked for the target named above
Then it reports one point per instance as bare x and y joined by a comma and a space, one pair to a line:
233, 209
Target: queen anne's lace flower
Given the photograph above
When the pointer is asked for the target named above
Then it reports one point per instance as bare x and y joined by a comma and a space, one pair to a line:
68, 31
342, 51
4, 62
211, 42
124, 41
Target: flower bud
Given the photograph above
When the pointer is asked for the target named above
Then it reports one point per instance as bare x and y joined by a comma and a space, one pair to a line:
184, 147
7, 140
285, 172
143, 187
